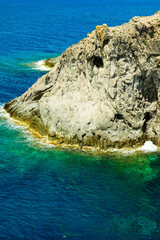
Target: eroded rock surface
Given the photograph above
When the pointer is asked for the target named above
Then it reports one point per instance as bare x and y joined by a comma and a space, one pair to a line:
104, 91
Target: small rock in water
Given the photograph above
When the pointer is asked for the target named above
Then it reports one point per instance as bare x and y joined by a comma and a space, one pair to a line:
149, 147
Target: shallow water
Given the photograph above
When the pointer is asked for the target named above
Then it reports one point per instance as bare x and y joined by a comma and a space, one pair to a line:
47, 193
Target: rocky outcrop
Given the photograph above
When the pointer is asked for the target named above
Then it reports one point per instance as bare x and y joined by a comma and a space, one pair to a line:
104, 91
51, 62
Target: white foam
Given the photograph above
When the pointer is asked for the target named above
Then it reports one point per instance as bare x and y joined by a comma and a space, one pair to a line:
122, 151
1, 109
149, 147
1, 106
40, 65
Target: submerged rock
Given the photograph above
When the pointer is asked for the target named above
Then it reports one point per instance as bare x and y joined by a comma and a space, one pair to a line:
102, 92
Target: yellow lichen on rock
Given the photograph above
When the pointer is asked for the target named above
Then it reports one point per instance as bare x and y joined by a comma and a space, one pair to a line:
102, 33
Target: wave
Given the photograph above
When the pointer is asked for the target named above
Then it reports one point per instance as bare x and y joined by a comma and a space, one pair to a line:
1, 106
149, 147
2, 109
40, 65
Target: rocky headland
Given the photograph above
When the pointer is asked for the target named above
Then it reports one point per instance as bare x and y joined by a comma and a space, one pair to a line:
101, 92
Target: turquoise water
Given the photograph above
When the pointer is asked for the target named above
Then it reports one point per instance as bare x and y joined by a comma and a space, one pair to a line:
46, 193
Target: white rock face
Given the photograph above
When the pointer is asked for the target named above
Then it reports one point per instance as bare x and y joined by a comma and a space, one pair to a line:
102, 92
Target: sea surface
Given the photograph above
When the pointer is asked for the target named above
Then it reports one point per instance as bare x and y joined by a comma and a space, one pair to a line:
53, 194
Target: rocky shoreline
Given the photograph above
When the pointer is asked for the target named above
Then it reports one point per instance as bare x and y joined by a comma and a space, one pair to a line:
102, 92
147, 147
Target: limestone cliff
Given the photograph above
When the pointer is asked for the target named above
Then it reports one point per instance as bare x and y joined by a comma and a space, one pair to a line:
104, 91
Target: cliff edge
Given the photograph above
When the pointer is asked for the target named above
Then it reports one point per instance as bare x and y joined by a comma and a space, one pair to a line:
103, 92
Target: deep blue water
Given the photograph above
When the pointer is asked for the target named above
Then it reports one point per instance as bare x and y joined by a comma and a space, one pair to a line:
50, 194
